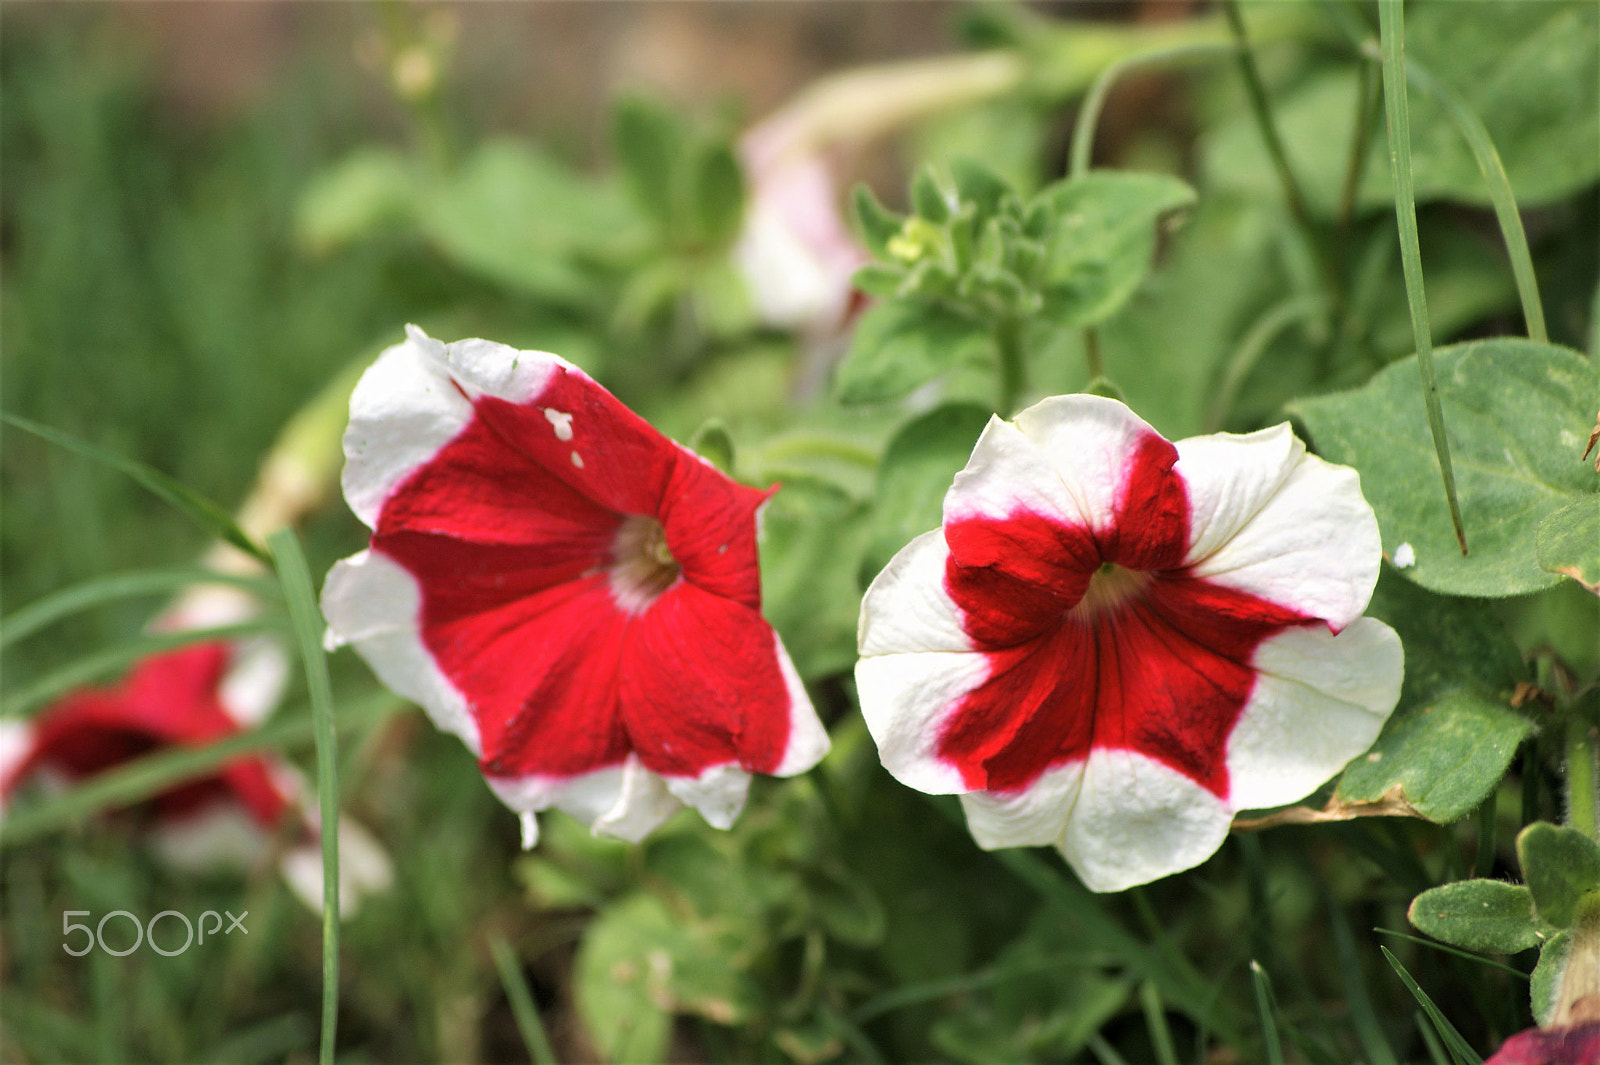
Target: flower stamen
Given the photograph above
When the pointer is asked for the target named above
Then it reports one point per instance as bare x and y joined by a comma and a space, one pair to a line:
1110, 586
642, 565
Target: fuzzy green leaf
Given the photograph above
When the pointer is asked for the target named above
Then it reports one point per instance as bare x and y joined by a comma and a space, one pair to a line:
1513, 409
718, 194
1546, 982
1442, 758
368, 188
921, 461
1103, 240
1569, 542
877, 223
1489, 916
898, 346
1561, 866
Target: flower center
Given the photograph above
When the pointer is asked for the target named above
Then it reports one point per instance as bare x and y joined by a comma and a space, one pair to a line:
1110, 586
641, 567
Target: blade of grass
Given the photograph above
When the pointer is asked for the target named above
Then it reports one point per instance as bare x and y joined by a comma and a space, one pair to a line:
208, 515
1431, 1039
1103, 1051
1255, 343
1267, 1011
1391, 23
1445, 948
930, 990
96, 665
1459, 1048
521, 999
152, 774
852, 1036
301, 598
1359, 1003
42, 612
1155, 1022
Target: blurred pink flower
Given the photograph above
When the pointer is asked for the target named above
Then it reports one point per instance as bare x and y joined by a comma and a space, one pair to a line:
573, 594
796, 254
1115, 642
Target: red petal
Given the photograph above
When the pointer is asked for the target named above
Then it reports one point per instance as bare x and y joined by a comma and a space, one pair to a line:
710, 523
1165, 673
701, 686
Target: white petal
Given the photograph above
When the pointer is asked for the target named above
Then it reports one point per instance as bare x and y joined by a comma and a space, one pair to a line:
808, 739
255, 681
905, 699
483, 367
1137, 820
16, 744
1008, 472
372, 603
906, 608
718, 793
364, 869
218, 836
626, 802
1031, 818
1280, 524
403, 410
1319, 701
1090, 441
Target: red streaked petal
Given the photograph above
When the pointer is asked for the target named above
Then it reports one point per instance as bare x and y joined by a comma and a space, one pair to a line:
540, 676
702, 686
710, 523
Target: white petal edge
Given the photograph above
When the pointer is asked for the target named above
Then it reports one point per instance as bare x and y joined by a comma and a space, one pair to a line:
364, 869
1319, 701
218, 836
808, 740
1034, 817
255, 680
372, 603
1136, 821
626, 802
1310, 544
718, 793
906, 699
906, 608
1007, 472
1089, 440
16, 743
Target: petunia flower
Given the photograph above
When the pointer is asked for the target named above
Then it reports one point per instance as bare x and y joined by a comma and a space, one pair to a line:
570, 592
1115, 642
193, 696
1575, 1045
795, 253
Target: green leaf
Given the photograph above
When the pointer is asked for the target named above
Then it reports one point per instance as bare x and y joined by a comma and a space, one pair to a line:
713, 443
847, 907
718, 194
1561, 866
928, 198
877, 224
813, 536
1488, 916
614, 983
365, 190
202, 511
521, 219
1103, 240
650, 143
1442, 758
1514, 410
640, 962
1569, 542
1528, 70
1450, 644
921, 461
1546, 983
900, 345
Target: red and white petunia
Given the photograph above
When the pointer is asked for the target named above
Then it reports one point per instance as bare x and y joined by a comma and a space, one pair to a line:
190, 697
570, 592
1115, 642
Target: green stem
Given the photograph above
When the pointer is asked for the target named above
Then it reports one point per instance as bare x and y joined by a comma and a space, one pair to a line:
1255, 343
1583, 774
1012, 365
1256, 91
1391, 20
1083, 129
1367, 101
523, 1009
